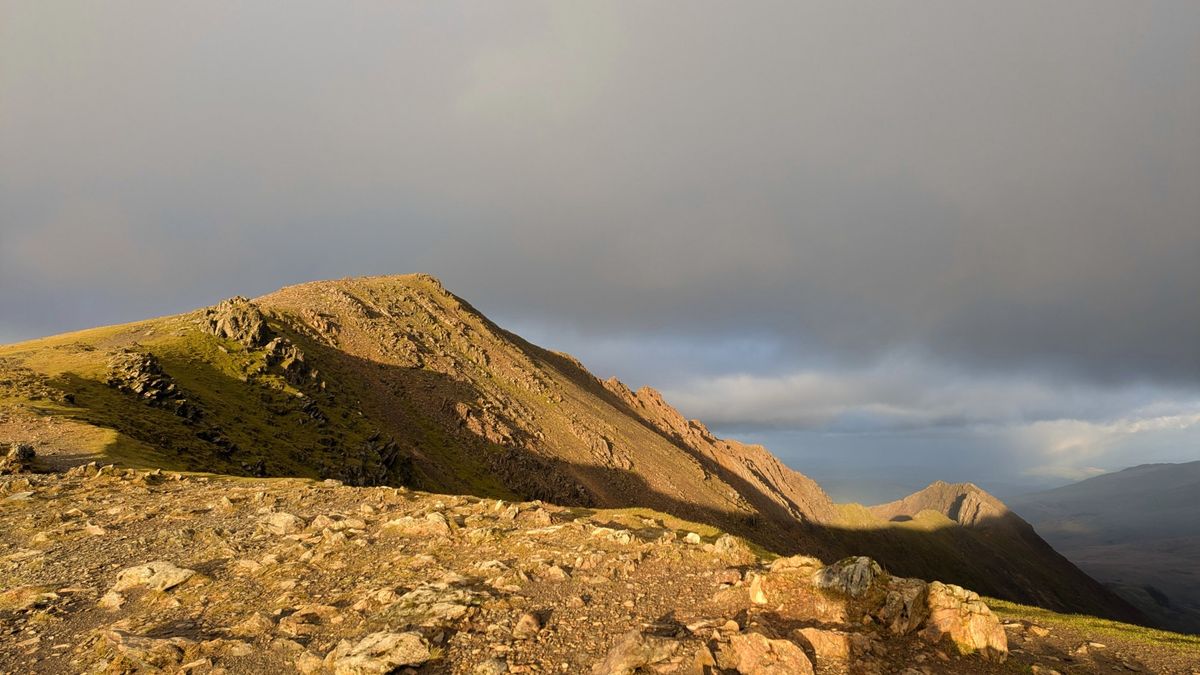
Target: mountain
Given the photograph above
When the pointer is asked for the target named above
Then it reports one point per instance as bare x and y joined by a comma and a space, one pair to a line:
396, 381
1136, 530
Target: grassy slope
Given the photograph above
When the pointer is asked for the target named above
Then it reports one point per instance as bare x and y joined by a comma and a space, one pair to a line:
1149, 641
253, 407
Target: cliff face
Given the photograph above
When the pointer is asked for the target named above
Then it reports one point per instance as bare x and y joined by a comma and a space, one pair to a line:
396, 381
773, 487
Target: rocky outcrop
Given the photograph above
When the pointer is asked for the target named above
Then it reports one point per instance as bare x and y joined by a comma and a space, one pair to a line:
237, 319
140, 374
902, 606
851, 576
756, 654
962, 617
19, 457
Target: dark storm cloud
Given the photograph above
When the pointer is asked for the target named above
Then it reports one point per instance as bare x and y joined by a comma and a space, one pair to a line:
1001, 184
1005, 194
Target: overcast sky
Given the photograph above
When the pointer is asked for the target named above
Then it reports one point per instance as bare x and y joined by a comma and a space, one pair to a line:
895, 241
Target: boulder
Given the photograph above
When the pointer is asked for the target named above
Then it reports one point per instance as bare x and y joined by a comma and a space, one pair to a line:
635, 650
905, 607
378, 653
147, 654
826, 645
159, 575
18, 458
801, 564
756, 654
961, 616
733, 547
237, 319
527, 626
434, 524
851, 576
283, 523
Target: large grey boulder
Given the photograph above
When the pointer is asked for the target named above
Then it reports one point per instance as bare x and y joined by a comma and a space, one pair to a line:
851, 576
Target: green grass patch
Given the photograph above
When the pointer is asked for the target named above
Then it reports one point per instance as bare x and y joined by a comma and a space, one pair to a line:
1096, 628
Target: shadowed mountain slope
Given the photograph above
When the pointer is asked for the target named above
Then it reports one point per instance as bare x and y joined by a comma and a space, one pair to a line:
1136, 530
984, 526
394, 380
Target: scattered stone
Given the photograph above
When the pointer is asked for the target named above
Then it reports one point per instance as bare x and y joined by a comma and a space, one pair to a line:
527, 626
802, 564
256, 625
283, 523
378, 653
635, 650
138, 652
758, 594
730, 545
159, 575
491, 667
25, 598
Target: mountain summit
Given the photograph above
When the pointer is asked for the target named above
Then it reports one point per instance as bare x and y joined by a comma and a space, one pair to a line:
396, 381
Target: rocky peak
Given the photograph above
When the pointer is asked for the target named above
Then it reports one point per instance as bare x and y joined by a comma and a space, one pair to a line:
965, 503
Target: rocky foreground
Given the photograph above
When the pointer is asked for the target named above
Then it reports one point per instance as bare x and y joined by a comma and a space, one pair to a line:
105, 569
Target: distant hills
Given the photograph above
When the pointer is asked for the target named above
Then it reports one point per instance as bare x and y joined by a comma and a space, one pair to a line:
394, 380
1136, 530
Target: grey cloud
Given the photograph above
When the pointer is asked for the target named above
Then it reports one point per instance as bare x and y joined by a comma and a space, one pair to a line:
994, 186
901, 394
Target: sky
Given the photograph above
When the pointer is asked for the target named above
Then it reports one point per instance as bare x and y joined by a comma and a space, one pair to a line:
893, 241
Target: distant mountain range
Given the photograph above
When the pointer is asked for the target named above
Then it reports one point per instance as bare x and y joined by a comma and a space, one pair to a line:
394, 380
1137, 531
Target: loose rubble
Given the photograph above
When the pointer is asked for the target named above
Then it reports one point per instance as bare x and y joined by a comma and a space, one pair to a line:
115, 570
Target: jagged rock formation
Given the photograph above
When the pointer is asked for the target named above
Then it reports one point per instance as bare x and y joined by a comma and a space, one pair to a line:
141, 375
773, 486
237, 319
288, 575
396, 381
